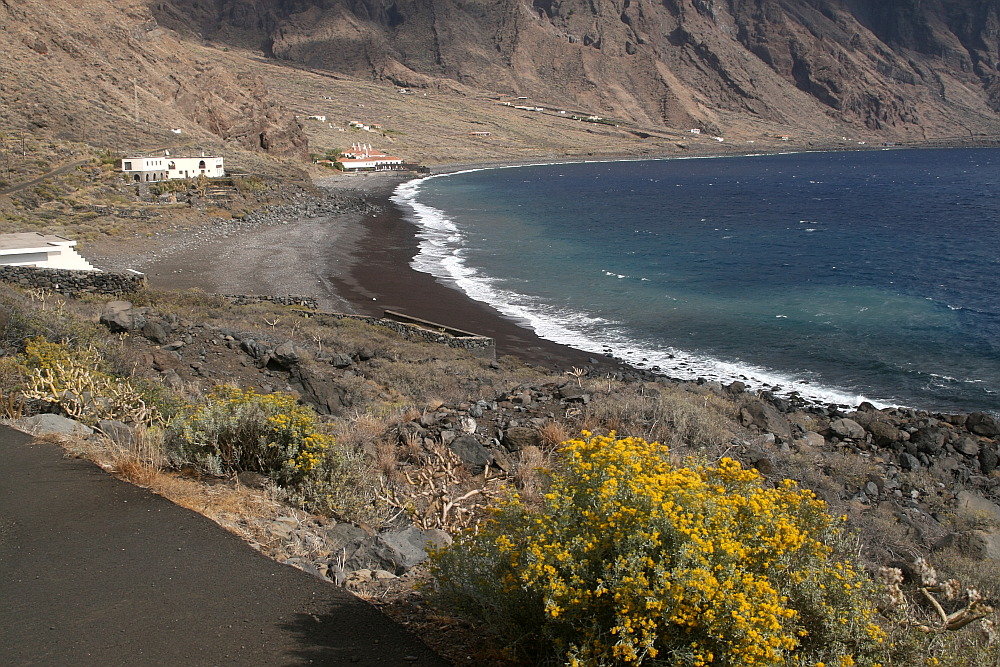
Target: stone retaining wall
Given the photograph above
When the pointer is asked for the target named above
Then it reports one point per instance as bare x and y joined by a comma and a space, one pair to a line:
72, 283
287, 300
480, 346
413, 329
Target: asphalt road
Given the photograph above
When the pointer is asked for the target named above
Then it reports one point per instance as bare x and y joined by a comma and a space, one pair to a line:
95, 571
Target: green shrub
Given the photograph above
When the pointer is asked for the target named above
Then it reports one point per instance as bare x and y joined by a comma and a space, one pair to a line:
345, 485
633, 560
236, 430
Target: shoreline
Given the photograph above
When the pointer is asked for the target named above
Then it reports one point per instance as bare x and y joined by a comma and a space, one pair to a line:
379, 277
355, 262
360, 263
798, 391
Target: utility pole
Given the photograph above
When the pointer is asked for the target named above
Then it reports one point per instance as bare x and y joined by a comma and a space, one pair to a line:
6, 156
135, 97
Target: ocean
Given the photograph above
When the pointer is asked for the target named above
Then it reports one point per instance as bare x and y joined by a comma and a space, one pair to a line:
844, 277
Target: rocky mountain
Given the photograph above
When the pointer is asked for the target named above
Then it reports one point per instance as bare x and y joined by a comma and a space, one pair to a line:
157, 73
908, 69
106, 73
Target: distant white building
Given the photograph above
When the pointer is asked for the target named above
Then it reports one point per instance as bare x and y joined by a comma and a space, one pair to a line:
166, 167
46, 251
363, 156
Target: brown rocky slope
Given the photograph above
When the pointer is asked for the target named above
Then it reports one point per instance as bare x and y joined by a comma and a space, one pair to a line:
109, 75
906, 69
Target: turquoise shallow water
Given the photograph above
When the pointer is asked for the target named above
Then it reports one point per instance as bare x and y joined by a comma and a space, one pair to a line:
842, 276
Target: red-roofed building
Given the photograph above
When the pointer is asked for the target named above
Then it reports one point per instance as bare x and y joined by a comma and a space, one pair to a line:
363, 156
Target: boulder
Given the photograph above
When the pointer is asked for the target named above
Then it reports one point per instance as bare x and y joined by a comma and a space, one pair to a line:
983, 424
517, 438
847, 428
976, 506
809, 440
988, 459
967, 446
978, 544
117, 316
172, 379
342, 535
49, 424
909, 462
471, 452
884, 434
341, 361
767, 418
401, 551
155, 332
323, 393
118, 432
253, 348
286, 355
929, 440
467, 425
736, 388
573, 394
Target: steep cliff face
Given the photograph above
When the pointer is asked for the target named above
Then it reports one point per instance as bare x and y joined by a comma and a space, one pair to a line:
907, 68
108, 73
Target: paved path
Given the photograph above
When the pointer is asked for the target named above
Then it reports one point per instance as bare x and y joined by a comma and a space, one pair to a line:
38, 179
95, 571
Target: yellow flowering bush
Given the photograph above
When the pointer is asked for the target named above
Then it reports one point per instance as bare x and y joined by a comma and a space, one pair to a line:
236, 430
633, 560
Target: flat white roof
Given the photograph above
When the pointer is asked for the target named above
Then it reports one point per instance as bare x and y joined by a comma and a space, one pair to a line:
173, 157
27, 241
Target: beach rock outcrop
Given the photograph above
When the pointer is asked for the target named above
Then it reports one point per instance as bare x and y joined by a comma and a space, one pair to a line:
983, 424
847, 428
766, 417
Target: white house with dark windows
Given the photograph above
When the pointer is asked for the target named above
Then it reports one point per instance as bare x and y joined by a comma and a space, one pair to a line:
142, 169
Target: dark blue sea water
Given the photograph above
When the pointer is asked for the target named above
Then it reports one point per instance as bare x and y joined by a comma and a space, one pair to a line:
843, 276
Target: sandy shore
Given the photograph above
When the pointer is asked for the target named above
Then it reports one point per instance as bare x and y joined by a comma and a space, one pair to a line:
350, 262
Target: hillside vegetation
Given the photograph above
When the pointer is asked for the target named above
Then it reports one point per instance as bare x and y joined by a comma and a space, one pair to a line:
610, 546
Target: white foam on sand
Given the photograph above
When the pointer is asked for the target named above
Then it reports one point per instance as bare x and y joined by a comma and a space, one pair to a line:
441, 254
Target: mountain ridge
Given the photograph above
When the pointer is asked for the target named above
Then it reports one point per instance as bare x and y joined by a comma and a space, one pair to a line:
136, 73
901, 68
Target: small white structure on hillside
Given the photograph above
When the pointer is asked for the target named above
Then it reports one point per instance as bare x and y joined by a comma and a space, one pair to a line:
46, 251
142, 169
363, 156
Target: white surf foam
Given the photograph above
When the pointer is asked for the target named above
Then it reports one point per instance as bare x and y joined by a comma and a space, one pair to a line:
441, 250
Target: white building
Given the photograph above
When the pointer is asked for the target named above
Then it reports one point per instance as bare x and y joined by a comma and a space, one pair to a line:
363, 156
165, 167
46, 251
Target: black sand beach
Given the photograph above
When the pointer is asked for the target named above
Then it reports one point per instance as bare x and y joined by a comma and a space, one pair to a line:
349, 262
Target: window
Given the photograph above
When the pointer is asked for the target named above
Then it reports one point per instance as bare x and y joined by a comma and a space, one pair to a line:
127, 166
